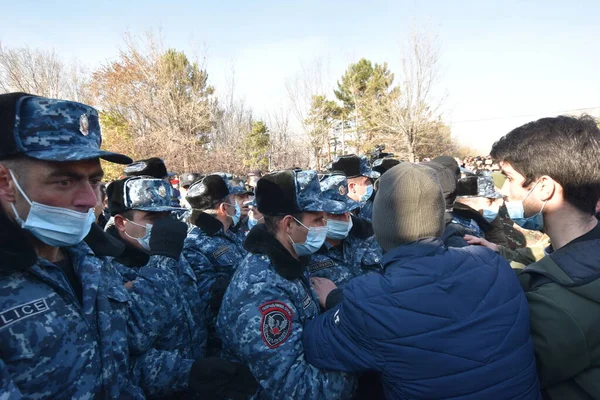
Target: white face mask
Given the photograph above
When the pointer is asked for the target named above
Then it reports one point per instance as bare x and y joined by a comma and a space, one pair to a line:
314, 240
144, 241
338, 230
238, 213
55, 226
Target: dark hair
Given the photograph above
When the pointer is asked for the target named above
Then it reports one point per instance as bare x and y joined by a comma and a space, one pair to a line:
271, 222
102, 192
567, 149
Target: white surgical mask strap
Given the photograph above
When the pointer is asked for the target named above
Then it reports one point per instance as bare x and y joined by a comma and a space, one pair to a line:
531, 191
19, 187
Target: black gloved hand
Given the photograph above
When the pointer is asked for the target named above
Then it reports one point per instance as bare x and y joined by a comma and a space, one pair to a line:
167, 238
215, 378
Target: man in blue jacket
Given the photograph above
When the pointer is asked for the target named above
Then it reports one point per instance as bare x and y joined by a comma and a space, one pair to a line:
439, 323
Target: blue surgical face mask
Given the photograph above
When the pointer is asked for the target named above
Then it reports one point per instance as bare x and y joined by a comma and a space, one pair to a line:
338, 230
314, 240
516, 212
367, 195
238, 213
490, 215
55, 226
252, 222
144, 241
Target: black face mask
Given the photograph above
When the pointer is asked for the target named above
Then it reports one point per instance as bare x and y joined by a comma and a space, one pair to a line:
598, 215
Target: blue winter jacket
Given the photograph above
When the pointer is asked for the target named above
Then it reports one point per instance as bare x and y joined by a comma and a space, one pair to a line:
438, 324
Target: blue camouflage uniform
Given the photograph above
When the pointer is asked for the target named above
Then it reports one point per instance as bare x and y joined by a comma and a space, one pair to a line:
214, 254
57, 341
358, 253
268, 302
51, 344
366, 210
354, 166
179, 335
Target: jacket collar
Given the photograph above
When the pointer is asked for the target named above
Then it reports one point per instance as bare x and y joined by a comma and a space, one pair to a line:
464, 211
130, 256
206, 222
16, 251
412, 250
259, 241
104, 244
361, 228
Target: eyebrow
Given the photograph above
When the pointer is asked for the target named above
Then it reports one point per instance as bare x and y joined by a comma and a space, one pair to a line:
74, 175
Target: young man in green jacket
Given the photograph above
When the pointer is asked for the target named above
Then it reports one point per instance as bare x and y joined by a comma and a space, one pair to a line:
553, 180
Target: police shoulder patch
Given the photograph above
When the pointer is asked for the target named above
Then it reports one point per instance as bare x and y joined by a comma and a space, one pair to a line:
276, 323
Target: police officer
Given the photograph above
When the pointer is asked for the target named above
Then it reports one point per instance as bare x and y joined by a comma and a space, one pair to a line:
62, 332
360, 181
350, 249
270, 297
211, 248
141, 210
243, 198
66, 328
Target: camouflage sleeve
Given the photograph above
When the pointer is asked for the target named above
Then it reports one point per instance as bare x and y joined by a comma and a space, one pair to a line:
153, 295
161, 373
266, 334
8, 390
210, 282
334, 340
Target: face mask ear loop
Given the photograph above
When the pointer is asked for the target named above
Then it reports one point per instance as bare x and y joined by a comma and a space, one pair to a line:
19, 187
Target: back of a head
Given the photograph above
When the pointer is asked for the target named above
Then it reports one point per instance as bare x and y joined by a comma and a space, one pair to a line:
450, 163
447, 181
409, 206
567, 149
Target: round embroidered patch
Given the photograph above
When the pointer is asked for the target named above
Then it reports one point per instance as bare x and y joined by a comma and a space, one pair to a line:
276, 323
342, 190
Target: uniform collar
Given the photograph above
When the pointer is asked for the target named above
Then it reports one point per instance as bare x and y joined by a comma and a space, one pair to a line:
207, 223
104, 244
259, 241
361, 228
16, 251
130, 256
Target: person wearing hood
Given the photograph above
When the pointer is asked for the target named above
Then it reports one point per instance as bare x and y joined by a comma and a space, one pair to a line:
350, 249
439, 322
552, 167
270, 297
360, 181
213, 250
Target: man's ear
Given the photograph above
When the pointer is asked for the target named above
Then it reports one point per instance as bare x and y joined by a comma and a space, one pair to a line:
548, 188
221, 209
8, 189
352, 187
286, 224
120, 222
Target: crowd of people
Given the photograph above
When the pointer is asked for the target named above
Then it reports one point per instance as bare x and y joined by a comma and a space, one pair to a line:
372, 279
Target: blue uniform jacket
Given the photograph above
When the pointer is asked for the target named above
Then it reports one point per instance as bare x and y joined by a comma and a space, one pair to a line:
180, 337
264, 310
51, 344
438, 324
358, 254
